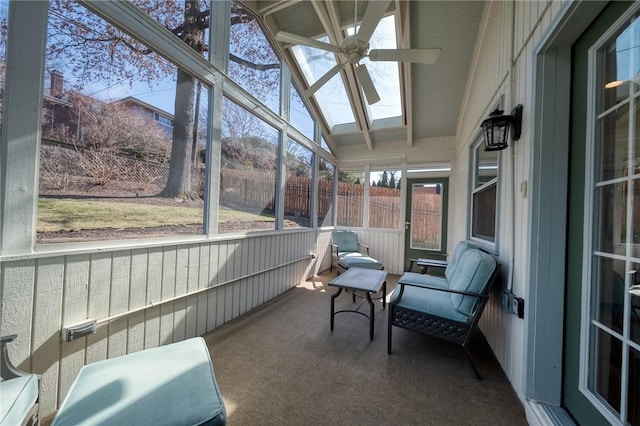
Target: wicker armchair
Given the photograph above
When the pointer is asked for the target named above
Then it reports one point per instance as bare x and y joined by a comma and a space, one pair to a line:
447, 308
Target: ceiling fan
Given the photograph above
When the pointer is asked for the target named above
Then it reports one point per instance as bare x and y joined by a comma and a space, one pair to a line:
356, 47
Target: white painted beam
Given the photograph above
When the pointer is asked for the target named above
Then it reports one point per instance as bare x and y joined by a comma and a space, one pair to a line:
20, 144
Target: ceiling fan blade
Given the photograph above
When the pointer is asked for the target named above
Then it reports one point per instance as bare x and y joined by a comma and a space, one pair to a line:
371, 18
286, 37
322, 80
367, 85
421, 56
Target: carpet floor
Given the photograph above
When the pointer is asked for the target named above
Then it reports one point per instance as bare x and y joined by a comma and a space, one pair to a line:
281, 364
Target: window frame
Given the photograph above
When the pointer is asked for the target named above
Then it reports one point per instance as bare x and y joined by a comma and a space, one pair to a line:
591, 324
146, 29
474, 167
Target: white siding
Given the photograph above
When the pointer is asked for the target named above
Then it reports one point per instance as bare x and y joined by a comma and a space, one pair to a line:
387, 246
502, 73
42, 294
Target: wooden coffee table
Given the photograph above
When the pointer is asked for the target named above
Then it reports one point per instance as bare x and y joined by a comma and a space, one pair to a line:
360, 279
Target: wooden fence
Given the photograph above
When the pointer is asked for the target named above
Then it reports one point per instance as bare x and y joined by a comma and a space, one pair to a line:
426, 219
255, 190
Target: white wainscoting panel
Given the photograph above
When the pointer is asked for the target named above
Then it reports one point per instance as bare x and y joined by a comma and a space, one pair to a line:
141, 298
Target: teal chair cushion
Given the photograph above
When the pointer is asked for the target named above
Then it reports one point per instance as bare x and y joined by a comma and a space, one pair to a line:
452, 264
434, 302
345, 240
472, 274
17, 397
424, 279
168, 385
351, 260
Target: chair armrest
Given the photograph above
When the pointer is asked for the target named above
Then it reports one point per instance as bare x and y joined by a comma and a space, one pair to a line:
445, 289
366, 248
335, 248
7, 369
7, 339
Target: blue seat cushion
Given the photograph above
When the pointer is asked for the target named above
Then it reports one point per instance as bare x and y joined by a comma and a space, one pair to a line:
168, 385
434, 302
17, 397
351, 260
345, 240
423, 279
472, 274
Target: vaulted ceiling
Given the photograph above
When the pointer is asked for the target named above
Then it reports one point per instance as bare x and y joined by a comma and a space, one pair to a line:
431, 94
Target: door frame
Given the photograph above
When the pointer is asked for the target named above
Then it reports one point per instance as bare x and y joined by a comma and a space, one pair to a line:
586, 400
427, 254
549, 161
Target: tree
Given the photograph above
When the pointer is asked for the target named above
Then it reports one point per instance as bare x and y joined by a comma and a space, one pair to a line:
112, 127
384, 182
238, 123
350, 177
244, 140
90, 50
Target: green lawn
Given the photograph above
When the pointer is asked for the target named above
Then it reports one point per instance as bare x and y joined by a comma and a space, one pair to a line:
74, 215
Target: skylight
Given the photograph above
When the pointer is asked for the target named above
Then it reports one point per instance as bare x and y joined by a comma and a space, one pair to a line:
332, 97
385, 75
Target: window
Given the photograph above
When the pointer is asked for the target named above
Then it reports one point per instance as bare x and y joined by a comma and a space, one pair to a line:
385, 76
297, 196
611, 355
253, 63
163, 119
484, 195
248, 171
325, 192
108, 170
323, 144
350, 198
332, 98
384, 199
427, 200
300, 117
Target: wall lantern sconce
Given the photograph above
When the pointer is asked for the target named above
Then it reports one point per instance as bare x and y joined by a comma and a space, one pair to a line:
496, 128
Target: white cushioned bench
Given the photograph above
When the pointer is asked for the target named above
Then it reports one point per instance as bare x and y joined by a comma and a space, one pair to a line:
169, 385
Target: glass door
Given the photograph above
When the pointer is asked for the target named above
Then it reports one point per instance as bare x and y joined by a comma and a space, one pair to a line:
602, 380
426, 221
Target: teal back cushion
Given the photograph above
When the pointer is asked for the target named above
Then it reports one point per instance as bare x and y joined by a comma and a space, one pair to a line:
345, 240
472, 274
461, 247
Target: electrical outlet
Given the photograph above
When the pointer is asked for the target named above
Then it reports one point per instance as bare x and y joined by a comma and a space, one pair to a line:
518, 307
507, 301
